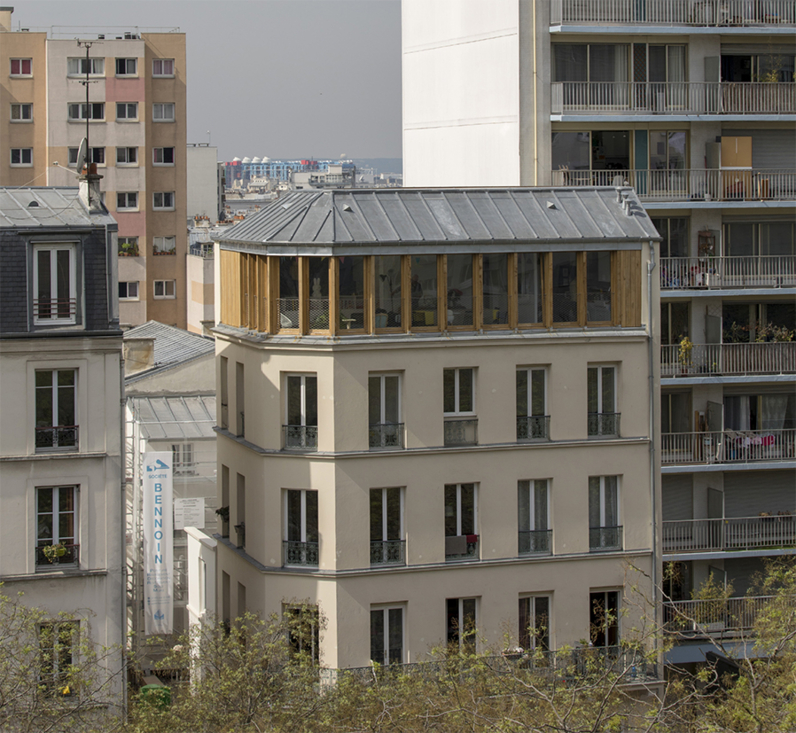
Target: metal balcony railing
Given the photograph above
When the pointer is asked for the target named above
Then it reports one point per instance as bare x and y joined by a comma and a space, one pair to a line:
54, 309
57, 437
673, 97
388, 552
461, 547
461, 432
303, 554
386, 435
604, 424
300, 437
204, 251
536, 542
713, 616
728, 446
674, 12
776, 357
725, 273
536, 427
729, 534
60, 555
604, 539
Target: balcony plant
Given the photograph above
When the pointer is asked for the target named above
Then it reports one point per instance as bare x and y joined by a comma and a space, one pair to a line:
684, 354
53, 552
128, 249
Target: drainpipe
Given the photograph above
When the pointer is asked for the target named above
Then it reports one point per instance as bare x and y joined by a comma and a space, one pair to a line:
535, 103
123, 532
650, 340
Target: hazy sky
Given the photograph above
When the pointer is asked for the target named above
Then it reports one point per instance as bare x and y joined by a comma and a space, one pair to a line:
282, 78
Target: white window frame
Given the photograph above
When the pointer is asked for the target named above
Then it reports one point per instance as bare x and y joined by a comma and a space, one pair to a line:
529, 391
158, 66
303, 395
125, 108
75, 66
604, 502
457, 411
54, 389
166, 199
125, 150
530, 486
385, 611
126, 62
384, 522
164, 287
127, 284
21, 74
92, 153
183, 459
56, 514
382, 376
90, 109
56, 682
302, 514
160, 110
157, 162
600, 396
128, 240
129, 199
463, 633
532, 613
160, 245
72, 318
21, 108
458, 508
21, 154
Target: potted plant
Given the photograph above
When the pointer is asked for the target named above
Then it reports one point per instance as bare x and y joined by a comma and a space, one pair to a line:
684, 354
53, 552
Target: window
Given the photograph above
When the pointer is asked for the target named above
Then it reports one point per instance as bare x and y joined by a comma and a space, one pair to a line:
388, 303
301, 528
461, 521
384, 411
387, 635
301, 411
163, 200
535, 623
598, 287
165, 289
127, 110
163, 156
57, 645
674, 322
82, 66
126, 67
182, 458
91, 111
604, 618
460, 290
535, 535
56, 409
675, 236
423, 285
162, 67
605, 531
54, 284
21, 157
495, 269
304, 630
21, 67
95, 155
530, 266
126, 156
56, 527
565, 287
163, 112
128, 290
128, 200
532, 421
128, 246
164, 245
387, 546
21, 113
461, 622
603, 417
459, 399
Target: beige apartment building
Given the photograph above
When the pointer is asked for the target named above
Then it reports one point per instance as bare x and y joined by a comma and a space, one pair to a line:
136, 125
435, 416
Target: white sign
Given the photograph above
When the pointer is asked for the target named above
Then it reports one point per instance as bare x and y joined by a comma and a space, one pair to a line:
158, 543
189, 513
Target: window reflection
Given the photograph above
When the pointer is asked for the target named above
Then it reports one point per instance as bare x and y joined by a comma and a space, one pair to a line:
529, 287
598, 286
424, 290
565, 283
388, 291
460, 290
288, 292
496, 289
352, 292
319, 293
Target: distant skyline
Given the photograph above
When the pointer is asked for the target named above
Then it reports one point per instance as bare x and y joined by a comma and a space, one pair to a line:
276, 78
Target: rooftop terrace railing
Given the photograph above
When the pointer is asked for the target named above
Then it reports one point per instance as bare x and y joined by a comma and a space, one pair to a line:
728, 359
724, 273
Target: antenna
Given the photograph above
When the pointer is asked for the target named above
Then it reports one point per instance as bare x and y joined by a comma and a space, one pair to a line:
82, 152
87, 45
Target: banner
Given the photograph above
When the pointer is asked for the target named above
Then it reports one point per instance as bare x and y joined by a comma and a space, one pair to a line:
158, 543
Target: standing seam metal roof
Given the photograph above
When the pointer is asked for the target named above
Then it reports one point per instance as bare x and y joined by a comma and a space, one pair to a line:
47, 206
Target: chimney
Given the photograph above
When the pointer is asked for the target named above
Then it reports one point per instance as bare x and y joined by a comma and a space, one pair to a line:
89, 190
139, 354
5, 18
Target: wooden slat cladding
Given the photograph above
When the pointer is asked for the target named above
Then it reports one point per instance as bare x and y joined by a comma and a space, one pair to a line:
229, 263
629, 288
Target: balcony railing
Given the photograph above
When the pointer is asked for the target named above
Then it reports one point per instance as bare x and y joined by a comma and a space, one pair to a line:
201, 250
673, 97
461, 547
303, 554
729, 534
388, 552
57, 437
777, 357
536, 427
300, 437
536, 542
713, 616
59, 555
386, 435
724, 273
755, 184
673, 12
604, 539
728, 446
461, 432
604, 424
54, 309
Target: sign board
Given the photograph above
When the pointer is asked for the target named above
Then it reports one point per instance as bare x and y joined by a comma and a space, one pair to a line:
189, 513
158, 543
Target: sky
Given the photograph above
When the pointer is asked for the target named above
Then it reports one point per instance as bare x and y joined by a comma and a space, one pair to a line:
276, 78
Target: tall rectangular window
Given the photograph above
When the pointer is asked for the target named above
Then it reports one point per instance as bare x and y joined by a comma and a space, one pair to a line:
58, 643
598, 287
533, 422
387, 635
56, 527
496, 290
386, 527
604, 618
461, 623
301, 412
301, 527
605, 530
535, 535
388, 291
534, 623
304, 631
56, 409
602, 415
461, 522
460, 290
461, 425
183, 459
565, 287
54, 284
529, 288
424, 291
384, 411
352, 292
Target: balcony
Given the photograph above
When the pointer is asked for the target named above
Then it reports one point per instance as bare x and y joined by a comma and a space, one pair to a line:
300, 554
55, 310
536, 542
728, 446
727, 13
51, 557
707, 617
673, 98
729, 534
604, 424
776, 357
461, 547
388, 552
536, 427
461, 432
726, 273
300, 437
57, 437
386, 435
205, 251
605, 539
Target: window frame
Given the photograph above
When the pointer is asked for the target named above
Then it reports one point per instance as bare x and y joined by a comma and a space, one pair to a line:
21, 119
612, 625
385, 612
165, 196
20, 74
529, 641
462, 636
183, 459
529, 397
383, 409
58, 656
55, 514
21, 153
126, 108
92, 107
127, 284
163, 107
133, 244
163, 248
301, 522
71, 319
604, 501
303, 396
600, 411
457, 514
127, 197
55, 409
529, 486
160, 73
126, 154
457, 395
94, 61
384, 514
92, 155
125, 62
165, 288
156, 162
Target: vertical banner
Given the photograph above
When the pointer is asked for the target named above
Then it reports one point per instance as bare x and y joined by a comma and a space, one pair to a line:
158, 543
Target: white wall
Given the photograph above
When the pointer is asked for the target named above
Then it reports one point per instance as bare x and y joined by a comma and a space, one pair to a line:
203, 181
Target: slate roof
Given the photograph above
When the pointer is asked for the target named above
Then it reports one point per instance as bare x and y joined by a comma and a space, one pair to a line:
58, 206
461, 216
173, 347
175, 418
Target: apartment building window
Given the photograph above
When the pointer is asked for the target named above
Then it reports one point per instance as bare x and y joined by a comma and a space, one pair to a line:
461, 425
56, 527
21, 113
387, 635
95, 155
598, 287
128, 246
163, 200
56, 409
163, 112
21, 67
460, 269
530, 269
301, 411
163, 156
760, 239
127, 111
602, 415
675, 318
534, 623
604, 618
461, 522
533, 422
164, 245
54, 286
183, 459
304, 630
675, 236
461, 623
92, 111
126, 156
423, 284
81, 66
162, 67
165, 289
384, 411
565, 288
495, 276
301, 528
533, 511
127, 200
387, 544
128, 290
126, 67
21, 157
58, 644
388, 302
605, 530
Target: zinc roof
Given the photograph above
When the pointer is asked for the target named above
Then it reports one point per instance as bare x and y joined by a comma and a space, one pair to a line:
175, 418
50, 206
173, 346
